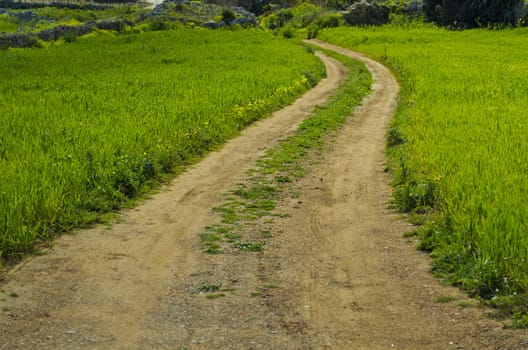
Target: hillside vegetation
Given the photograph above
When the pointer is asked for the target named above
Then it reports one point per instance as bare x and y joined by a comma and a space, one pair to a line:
459, 149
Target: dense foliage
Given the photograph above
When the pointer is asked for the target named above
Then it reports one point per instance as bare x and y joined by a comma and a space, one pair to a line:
472, 13
460, 148
304, 20
87, 125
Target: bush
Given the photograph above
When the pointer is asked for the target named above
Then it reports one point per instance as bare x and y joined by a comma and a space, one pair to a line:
299, 17
287, 32
305, 14
313, 30
331, 20
228, 16
473, 13
278, 19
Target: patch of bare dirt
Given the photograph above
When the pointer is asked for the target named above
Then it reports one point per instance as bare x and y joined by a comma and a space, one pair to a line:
336, 274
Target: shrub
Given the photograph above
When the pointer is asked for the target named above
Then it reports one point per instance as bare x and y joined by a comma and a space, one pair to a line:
326, 21
473, 13
301, 16
287, 32
228, 16
305, 14
278, 19
330, 20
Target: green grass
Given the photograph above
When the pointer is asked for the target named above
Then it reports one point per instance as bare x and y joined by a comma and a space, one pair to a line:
461, 146
8, 24
86, 126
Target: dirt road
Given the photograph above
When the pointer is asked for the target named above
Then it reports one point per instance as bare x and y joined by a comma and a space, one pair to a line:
337, 274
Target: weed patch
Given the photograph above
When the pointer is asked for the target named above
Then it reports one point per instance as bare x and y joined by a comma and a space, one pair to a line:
249, 246
207, 288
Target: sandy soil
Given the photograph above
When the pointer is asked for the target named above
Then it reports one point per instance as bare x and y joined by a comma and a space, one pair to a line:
336, 274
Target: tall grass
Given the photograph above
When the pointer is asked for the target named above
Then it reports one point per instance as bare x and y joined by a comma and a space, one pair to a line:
7, 24
460, 146
86, 126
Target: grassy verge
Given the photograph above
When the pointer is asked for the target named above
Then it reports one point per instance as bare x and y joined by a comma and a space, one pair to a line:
459, 150
85, 127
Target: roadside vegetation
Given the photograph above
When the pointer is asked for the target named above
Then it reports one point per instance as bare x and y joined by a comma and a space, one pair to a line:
88, 125
459, 151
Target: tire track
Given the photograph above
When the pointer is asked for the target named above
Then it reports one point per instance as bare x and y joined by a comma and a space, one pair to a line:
109, 280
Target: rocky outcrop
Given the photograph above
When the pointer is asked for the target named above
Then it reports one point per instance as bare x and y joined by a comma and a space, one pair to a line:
19, 5
366, 13
201, 14
60, 32
413, 8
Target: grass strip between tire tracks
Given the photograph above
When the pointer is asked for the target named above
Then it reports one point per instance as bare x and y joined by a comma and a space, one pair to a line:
252, 203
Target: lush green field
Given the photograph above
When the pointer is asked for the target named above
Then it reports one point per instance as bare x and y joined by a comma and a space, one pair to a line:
87, 125
460, 145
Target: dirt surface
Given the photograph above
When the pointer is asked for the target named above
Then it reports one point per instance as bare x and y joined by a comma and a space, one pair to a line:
335, 274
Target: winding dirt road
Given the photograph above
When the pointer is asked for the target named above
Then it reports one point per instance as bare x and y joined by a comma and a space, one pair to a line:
337, 274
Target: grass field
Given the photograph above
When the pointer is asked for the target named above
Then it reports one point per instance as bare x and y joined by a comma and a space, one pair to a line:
460, 147
7, 24
86, 126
